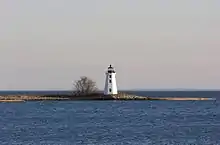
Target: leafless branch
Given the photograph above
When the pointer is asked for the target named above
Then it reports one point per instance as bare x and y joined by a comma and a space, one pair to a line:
85, 86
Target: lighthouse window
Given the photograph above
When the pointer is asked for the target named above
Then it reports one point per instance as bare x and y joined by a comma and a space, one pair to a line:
110, 90
110, 81
110, 76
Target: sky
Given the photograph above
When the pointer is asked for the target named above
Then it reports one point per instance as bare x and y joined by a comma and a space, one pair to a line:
153, 44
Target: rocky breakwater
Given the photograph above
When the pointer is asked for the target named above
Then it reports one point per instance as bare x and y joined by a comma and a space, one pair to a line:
21, 98
96, 96
125, 96
184, 99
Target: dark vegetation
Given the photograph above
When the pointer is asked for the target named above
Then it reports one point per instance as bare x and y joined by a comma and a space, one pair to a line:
82, 88
85, 87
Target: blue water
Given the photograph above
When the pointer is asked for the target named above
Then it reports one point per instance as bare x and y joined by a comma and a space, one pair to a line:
110, 122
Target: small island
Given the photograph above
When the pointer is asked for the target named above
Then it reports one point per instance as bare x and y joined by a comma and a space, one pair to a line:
85, 89
97, 96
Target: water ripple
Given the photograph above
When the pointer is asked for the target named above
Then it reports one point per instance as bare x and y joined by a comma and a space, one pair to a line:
110, 122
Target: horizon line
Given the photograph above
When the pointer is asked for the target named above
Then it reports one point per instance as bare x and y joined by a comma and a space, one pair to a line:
174, 89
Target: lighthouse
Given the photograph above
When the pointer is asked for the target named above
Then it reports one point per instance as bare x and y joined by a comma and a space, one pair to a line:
110, 82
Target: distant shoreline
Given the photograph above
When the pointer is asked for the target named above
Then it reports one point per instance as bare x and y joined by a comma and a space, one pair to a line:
152, 93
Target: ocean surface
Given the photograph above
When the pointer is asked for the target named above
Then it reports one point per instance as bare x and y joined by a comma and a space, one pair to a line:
113, 122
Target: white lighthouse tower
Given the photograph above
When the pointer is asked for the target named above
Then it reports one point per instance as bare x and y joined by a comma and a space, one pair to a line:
110, 82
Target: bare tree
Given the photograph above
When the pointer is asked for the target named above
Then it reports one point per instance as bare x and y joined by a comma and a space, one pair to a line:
85, 86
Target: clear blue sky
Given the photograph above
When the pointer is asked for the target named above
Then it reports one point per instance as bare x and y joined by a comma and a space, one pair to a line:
46, 44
